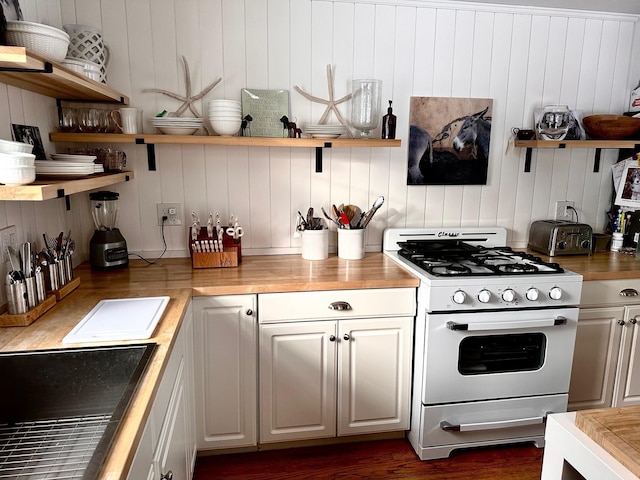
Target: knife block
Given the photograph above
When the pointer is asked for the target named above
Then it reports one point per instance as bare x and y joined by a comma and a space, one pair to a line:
230, 256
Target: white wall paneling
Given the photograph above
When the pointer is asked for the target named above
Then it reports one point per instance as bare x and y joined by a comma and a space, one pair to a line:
521, 57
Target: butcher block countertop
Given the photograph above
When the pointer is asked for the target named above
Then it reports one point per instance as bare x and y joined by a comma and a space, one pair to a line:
176, 279
599, 266
616, 430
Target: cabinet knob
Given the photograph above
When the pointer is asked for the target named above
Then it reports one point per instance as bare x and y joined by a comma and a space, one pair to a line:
346, 337
633, 320
166, 476
629, 292
332, 338
249, 312
621, 322
339, 306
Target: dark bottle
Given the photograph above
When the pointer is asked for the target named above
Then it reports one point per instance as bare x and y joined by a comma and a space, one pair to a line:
389, 123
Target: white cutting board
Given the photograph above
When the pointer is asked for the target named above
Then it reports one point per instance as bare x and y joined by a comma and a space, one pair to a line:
119, 319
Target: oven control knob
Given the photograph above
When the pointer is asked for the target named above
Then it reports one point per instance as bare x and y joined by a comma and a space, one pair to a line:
508, 295
484, 295
532, 294
555, 293
459, 297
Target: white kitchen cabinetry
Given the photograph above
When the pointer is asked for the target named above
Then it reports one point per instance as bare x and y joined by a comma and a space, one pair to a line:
167, 448
335, 363
606, 363
225, 354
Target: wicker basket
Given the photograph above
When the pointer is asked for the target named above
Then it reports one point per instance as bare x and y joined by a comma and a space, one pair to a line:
86, 43
42, 39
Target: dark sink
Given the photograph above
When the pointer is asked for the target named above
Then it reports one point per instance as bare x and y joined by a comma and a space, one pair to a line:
71, 401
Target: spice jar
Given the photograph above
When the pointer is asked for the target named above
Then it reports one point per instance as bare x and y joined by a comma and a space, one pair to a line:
616, 242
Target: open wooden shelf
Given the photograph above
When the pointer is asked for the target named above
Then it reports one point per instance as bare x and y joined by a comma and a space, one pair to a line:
597, 144
150, 140
48, 189
30, 71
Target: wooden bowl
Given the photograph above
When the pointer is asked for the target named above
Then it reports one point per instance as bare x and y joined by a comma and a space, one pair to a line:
611, 127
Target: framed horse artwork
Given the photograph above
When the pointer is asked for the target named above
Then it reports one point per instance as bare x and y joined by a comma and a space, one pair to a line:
449, 141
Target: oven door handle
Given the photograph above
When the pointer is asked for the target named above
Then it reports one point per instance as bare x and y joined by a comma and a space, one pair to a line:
543, 322
472, 427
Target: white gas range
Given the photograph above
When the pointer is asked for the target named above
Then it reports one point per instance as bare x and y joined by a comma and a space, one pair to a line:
495, 332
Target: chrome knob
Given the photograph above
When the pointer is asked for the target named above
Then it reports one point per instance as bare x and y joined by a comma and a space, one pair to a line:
459, 297
332, 338
166, 476
484, 296
508, 295
620, 322
346, 337
555, 293
633, 320
249, 312
532, 294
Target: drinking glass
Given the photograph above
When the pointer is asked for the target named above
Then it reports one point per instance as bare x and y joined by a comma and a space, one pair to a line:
366, 105
89, 120
68, 120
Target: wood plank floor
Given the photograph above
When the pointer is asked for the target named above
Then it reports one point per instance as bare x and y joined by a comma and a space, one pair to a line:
382, 459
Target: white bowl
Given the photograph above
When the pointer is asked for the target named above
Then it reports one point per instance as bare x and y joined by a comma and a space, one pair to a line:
17, 160
224, 103
178, 130
221, 116
225, 127
7, 146
43, 39
12, 176
224, 110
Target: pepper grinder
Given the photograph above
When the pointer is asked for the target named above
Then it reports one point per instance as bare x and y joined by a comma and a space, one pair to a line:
389, 123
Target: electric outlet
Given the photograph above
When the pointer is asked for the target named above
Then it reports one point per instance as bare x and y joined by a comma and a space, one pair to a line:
8, 236
563, 212
173, 212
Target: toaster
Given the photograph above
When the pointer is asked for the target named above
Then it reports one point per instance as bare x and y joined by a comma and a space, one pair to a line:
560, 237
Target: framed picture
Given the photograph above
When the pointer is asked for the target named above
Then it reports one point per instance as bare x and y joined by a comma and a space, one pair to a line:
628, 191
11, 9
29, 134
449, 141
266, 108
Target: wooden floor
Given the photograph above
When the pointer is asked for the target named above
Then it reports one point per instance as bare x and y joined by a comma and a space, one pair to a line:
383, 459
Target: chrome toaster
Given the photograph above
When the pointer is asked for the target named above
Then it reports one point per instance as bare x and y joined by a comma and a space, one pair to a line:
560, 237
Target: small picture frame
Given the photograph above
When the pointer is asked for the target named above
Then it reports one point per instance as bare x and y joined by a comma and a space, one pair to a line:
31, 135
266, 107
628, 192
11, 9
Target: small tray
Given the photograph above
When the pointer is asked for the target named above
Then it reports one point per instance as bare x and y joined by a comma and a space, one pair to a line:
24, 319
66, 289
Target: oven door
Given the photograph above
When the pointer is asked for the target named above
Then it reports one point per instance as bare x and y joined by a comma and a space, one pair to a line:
490, 355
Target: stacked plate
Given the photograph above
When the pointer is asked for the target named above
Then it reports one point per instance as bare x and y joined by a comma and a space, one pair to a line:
177, 125
325, 131
66, 168
85, 160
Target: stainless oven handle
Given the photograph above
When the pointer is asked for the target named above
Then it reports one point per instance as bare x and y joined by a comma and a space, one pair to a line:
471, 427
543, 322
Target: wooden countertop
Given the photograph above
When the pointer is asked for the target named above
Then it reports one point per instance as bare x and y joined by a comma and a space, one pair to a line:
599, 266
616, 430
175, 278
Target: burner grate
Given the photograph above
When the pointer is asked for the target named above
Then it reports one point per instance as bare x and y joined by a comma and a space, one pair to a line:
50, 449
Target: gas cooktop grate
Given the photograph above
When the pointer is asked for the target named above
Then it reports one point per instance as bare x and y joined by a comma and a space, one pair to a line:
50, 449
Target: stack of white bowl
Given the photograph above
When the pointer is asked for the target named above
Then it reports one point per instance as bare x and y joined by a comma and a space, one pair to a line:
225, 117
17, 163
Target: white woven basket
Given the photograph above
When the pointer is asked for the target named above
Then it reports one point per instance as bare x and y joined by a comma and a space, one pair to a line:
42, 39
86, 42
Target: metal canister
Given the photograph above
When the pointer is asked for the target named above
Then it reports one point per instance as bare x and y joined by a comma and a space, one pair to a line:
17, 298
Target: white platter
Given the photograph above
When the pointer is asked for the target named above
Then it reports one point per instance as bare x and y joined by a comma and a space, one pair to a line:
119, 319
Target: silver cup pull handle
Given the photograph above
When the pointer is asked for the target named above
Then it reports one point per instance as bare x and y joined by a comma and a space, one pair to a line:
340, 306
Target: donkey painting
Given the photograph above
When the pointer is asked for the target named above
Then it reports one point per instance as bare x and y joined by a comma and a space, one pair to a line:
475, 132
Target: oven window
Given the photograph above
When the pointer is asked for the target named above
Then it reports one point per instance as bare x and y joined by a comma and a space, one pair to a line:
501, 353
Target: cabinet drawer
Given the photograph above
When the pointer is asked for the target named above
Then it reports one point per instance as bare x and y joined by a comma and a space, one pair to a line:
336, 304
610, 292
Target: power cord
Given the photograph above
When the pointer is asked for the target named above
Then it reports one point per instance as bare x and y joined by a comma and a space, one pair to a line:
164, 241
569, 207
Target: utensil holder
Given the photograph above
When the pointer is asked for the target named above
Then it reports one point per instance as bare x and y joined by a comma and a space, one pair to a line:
230, 256
30, 316
351, 243
315, 244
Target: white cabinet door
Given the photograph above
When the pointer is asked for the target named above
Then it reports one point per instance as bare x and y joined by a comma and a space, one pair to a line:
225, 351
297, 381
627, 391
374, 358
595, 358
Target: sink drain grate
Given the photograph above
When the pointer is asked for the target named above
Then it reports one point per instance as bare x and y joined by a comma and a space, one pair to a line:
50, 449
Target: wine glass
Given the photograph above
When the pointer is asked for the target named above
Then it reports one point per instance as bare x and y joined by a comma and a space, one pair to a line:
366, 105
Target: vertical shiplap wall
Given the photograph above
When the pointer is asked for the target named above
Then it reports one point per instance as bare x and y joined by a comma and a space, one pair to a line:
523, 58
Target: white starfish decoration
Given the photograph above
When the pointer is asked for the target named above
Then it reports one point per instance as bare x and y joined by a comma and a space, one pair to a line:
188, 98
332, 105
